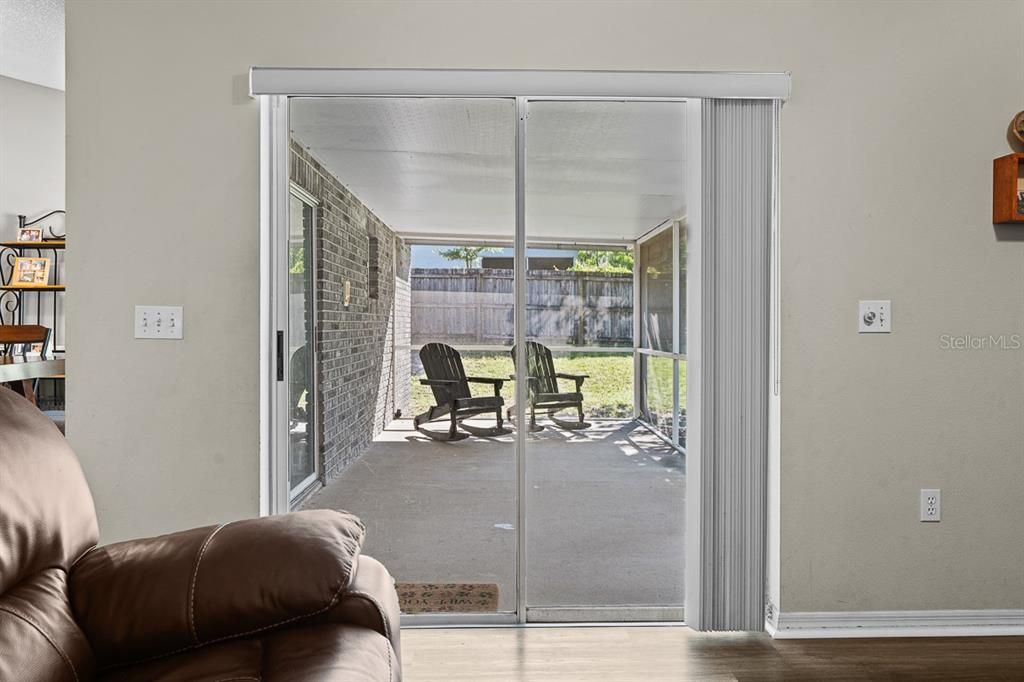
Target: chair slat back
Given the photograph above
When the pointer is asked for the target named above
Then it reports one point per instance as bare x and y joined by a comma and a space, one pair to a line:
540, 367
441, 361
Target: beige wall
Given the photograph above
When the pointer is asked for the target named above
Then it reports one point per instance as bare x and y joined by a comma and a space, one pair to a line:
897, 111
31, 153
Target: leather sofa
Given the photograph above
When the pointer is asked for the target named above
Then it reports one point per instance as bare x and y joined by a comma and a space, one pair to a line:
279, 598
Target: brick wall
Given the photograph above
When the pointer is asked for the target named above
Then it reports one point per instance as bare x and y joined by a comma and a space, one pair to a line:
403, 330
362, 380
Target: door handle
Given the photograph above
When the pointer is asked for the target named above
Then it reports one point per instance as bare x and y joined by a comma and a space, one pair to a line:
280, 355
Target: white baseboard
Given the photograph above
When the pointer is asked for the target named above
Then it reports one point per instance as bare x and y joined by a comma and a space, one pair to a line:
836, 624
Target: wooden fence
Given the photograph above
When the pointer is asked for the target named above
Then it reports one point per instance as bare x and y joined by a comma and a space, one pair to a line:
474, 306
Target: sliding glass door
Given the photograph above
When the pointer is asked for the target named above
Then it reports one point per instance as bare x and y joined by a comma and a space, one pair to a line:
415, 324
604, 495
482, 347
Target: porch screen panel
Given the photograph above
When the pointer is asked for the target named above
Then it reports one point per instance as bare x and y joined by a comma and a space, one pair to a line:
738, 139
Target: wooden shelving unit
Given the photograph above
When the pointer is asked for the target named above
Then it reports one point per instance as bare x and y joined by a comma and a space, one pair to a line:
36, 303
1008, 189
55, 244
33, 287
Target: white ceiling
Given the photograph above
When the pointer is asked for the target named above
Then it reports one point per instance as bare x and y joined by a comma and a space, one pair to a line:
600, 171
32, 41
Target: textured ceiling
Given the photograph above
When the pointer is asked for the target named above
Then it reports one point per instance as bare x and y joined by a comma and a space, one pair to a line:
595, 170
32, 41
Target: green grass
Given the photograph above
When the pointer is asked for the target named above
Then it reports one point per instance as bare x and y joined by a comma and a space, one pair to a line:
607, 392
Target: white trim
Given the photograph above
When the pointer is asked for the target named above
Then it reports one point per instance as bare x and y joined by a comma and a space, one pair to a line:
458, 620
661, 353
555, 348
520, 262
441, 239
314, 82
694, 291
637, 333
605, 614
303, 195
655, 231
773, 500
274, 490
848, 624
676, 341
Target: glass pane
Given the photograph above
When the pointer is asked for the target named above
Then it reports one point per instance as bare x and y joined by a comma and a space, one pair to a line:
659, 405
409, 186
301, 442
656, 291
600, 485
681, 412
682, 287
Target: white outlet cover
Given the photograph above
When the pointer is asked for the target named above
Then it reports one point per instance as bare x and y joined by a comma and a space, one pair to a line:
931, 505
159, 322
875, 317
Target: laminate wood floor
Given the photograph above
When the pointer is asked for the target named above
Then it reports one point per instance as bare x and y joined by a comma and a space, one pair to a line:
662, 654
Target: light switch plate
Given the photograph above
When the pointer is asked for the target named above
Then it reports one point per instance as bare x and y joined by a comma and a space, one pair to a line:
159, 322
875, 317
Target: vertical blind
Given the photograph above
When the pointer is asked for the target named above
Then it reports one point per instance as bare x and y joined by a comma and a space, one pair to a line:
738, 147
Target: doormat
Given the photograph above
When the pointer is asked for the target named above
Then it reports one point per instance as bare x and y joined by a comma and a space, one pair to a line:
447, 597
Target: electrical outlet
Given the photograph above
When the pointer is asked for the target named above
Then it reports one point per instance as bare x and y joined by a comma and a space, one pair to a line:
931, 504
159, 322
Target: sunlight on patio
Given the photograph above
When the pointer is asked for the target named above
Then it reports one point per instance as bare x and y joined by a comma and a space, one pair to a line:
445, 512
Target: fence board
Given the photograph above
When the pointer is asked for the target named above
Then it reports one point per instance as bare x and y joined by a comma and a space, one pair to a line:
458, 305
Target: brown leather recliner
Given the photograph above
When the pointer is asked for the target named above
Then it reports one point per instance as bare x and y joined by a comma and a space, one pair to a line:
280, 598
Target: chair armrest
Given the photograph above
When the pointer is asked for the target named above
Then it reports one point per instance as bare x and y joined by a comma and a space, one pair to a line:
438, 382
486, 380
141, 599
496, 383
370, 601
578, 378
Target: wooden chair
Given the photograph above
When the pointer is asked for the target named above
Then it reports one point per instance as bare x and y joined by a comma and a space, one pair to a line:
447, 379
544, 392
25, 335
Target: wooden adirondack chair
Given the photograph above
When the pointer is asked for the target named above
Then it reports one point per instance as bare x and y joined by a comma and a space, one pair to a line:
447, 379
544, 392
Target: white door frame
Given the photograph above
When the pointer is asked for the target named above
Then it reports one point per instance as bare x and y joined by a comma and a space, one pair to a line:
275, 85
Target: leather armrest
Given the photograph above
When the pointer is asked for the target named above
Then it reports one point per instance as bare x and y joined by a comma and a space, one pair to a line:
370, 601
146, 598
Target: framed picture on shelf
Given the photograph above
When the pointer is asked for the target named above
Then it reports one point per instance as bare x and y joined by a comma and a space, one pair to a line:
30, 234
30, 272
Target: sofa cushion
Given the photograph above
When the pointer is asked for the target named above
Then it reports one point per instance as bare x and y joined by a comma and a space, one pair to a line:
239, 660
39, 641
320, 653
147, 598
332, 651
47, 518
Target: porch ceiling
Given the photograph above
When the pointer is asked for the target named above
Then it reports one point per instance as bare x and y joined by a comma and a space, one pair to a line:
597, 171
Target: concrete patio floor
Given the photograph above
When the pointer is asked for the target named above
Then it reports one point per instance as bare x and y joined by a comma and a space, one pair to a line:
605, 513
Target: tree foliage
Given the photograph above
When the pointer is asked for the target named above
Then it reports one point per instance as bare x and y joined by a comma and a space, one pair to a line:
296, 260
469, 255
603, 261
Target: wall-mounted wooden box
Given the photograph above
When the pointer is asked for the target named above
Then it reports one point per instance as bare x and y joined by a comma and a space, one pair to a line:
1008, 189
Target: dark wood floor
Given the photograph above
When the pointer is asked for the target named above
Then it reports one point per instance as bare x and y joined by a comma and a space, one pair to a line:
625, 654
